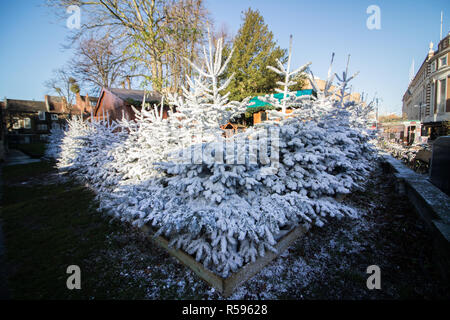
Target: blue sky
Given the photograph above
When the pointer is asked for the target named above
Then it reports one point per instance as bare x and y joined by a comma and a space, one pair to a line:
31, 47
32, 40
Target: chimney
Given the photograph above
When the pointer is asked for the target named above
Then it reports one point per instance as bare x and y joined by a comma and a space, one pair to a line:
65, 105
79, 104
128, 82
78, 100
47, 103
87, 104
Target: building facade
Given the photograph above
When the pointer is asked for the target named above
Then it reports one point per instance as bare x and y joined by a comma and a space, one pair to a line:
404, 132
115, 103
427, 98
29, 121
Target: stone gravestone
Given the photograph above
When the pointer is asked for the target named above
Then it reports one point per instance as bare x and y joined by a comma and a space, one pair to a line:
440, 164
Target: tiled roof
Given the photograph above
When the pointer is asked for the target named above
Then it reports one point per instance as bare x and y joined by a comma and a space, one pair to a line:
136, 95
25, 105
92, 99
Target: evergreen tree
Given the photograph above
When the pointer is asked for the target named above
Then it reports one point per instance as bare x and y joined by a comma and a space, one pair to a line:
225, 213
254, 50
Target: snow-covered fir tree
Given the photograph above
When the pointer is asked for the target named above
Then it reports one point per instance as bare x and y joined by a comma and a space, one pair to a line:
289, 98
53, 149
217, 208
224, 210
203, 108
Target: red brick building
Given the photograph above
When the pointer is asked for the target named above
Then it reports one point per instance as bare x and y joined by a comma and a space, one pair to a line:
84, 104
114, 103
29, 121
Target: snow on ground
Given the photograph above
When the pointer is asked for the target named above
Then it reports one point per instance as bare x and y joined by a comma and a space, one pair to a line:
328, 263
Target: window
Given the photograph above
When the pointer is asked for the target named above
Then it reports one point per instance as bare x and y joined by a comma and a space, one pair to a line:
433, 66
263, 116
16, 123
433, 97
443, 61
41, 115
56, 126
42, 127
27, 123
54, 117
442, 96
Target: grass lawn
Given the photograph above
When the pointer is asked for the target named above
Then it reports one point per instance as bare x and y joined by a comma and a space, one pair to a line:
48, 227
50, 223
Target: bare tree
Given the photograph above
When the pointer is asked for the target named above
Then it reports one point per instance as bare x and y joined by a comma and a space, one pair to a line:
99, 63
64, 85
151, 30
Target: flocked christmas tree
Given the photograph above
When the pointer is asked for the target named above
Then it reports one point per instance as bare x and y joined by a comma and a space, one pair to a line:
223, 210
203, 108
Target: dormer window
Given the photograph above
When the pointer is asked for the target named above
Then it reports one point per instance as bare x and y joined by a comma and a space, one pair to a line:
445, 44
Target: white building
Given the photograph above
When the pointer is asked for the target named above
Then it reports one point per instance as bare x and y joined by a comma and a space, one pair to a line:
427, 98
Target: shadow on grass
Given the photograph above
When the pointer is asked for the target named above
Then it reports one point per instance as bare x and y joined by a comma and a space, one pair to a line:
34, 150
23, 172
46, 229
